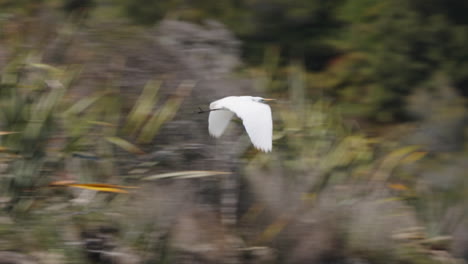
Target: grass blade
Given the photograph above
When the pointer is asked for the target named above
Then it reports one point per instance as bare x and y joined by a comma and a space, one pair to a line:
185, 175
124, 144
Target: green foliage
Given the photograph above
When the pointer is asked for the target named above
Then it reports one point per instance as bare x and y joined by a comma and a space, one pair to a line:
27, 106
300, 28
43, 131
146, 12
392, 47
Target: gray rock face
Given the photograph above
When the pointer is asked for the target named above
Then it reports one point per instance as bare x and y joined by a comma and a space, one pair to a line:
211, 51
442, 118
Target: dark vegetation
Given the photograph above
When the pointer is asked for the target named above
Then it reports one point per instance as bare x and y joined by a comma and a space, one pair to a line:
103, 158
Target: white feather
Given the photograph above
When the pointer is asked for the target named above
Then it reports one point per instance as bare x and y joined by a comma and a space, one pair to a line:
256, 117
218, 122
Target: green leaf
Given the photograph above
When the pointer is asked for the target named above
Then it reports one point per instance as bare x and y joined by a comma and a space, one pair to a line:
165, 113
82, 104
143, 107
124, 144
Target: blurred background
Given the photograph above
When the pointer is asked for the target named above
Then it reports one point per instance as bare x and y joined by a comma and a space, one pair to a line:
104, 158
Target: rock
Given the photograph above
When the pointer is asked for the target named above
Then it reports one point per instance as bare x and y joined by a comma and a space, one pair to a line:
99, 242
199, 237
212, 51
6, 220
441, 126
8, 257
45, 257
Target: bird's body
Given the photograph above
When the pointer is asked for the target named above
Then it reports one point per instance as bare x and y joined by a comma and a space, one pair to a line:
255, 115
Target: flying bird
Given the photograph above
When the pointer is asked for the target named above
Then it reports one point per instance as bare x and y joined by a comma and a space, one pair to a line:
255, 115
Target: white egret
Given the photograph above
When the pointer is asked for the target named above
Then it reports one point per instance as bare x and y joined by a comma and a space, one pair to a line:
255, 115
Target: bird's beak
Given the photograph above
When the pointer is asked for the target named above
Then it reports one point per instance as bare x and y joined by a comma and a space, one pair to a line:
268, 99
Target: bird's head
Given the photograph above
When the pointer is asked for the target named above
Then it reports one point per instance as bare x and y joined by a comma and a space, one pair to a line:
262, 100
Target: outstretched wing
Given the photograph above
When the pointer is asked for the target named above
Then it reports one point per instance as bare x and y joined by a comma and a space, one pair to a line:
218, 121
257, 121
